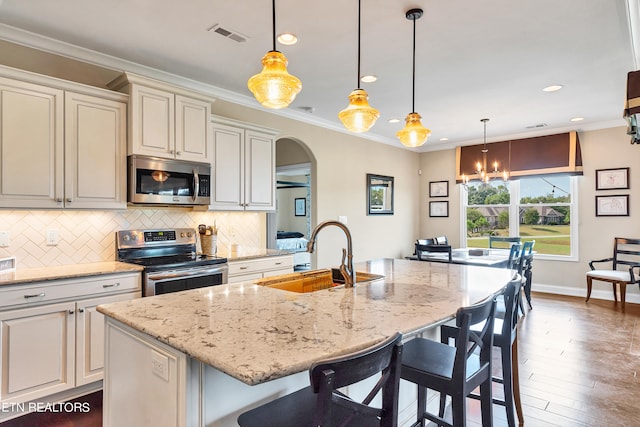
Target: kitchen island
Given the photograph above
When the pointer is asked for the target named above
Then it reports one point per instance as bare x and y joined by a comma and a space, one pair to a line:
200, 357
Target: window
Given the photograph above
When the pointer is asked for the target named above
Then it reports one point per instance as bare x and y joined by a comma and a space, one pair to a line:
540, 208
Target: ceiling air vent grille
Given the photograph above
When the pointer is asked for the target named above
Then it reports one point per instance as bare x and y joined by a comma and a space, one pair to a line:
537, 126
228, 33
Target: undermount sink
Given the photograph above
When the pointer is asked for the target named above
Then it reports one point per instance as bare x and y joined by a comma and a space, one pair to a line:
315, 280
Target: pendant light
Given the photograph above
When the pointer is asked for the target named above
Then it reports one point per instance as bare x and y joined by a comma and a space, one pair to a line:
359, 116
413, 134
274, 87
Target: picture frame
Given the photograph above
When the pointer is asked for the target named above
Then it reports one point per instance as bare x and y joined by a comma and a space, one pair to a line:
438, 188
439, 209
300, 206
379, 194
614, 205
612, 179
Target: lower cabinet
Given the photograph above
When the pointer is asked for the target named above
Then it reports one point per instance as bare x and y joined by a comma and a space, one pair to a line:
51, 347
257, 268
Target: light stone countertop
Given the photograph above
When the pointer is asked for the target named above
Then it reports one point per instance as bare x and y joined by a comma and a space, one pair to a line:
257, 334
29, 275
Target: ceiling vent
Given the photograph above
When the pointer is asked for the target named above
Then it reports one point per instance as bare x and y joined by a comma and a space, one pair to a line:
539, 125
228, 33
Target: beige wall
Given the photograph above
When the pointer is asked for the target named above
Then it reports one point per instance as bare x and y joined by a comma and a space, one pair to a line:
601, 149
342, 162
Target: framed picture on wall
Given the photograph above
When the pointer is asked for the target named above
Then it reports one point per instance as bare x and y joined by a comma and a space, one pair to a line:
438, 209
439, 189
301, 206
612, 179
617, 205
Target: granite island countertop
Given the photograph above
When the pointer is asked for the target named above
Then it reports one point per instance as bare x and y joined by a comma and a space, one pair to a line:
29, 275
255, 333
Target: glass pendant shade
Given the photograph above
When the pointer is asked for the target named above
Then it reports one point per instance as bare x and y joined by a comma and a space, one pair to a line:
413, 134
359, 116
274, 87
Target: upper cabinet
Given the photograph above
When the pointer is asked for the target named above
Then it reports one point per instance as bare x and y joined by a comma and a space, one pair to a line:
166, 121
63, 144
244, 166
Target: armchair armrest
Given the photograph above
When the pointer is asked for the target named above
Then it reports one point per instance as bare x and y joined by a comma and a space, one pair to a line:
598, 260
634, 278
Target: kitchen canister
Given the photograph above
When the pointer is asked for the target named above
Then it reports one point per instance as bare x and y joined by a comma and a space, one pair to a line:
209, 243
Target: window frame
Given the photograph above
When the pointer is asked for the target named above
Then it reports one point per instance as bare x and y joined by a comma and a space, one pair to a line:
514, 218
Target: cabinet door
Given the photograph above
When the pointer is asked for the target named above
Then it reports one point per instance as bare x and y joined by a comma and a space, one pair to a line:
90, 337
37, 350
260, 172
95, 152
228, 168
152, 122
31, 144
193, 132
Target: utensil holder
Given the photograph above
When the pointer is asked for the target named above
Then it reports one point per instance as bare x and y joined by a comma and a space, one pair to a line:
209, 244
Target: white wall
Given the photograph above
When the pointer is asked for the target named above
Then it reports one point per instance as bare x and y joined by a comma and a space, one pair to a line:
601, 149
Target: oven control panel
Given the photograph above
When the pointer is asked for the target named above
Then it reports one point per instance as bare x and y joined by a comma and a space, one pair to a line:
152, 238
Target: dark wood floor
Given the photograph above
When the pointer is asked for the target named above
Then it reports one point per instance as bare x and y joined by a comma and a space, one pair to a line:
579, 365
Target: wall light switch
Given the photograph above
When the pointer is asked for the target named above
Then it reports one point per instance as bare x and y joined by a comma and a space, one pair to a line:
53, 237
342, 219
4, 239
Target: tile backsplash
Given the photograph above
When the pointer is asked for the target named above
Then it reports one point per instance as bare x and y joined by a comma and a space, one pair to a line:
89, 236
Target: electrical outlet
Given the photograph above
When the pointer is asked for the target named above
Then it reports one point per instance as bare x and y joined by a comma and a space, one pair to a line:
4, 239
53, 237
160, 365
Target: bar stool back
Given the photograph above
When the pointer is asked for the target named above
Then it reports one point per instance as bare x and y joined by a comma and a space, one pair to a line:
322, 405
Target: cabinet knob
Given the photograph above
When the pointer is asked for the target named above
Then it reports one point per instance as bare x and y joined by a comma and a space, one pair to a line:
58, 200
81, 310
71, 311
170, 151
69, 200
178, 153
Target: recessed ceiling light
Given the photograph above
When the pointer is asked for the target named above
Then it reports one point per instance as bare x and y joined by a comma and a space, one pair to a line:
394, 120
552, 88
287, 39
368, 79
444, 139
577, 119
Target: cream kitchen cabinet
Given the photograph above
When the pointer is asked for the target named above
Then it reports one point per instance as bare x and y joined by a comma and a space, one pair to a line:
244, 167
257, 268
166, 121
63, 144
51, 337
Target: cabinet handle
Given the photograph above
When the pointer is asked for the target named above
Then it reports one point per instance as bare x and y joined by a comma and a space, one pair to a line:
58, 200
278, 263
41, 294
111, 285
69, 200
178, 153
71, 311
170, 151
243, 268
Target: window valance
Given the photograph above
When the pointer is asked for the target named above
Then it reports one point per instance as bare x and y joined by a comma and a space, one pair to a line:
542, 155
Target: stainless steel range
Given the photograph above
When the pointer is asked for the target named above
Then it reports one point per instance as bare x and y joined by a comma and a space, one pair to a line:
170, 260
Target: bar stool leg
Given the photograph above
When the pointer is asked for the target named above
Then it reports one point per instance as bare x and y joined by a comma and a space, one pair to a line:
516, 381
507, 383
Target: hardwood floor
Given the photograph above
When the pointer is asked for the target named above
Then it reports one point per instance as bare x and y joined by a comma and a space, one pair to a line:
579, 365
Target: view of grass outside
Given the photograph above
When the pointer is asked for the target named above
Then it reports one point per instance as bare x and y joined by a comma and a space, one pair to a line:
543, 214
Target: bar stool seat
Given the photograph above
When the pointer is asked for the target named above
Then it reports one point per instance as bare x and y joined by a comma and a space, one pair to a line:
322, 405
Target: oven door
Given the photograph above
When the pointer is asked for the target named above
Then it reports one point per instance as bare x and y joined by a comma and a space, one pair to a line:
167, 281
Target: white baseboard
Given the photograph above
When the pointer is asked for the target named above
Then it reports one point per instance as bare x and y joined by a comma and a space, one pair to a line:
601, 290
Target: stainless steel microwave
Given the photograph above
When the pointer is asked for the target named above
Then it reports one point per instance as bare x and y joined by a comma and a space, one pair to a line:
157, 181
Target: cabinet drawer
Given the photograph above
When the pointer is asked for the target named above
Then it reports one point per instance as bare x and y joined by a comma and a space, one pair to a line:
58, 290
261, 264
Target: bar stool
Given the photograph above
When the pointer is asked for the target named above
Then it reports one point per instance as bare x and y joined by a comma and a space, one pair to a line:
322, 405
505, 337
454, 370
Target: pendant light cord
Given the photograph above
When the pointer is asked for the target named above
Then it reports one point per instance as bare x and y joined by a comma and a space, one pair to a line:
273, 13
358, 76
413, 93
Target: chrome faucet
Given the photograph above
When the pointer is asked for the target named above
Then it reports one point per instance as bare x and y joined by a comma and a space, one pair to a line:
347, 270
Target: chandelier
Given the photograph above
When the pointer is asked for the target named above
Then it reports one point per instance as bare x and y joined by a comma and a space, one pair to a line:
484, 174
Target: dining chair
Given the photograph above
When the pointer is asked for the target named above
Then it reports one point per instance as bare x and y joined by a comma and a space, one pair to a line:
626, 257
502, 242
423, 250
454, 370
505, 338
322, 405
